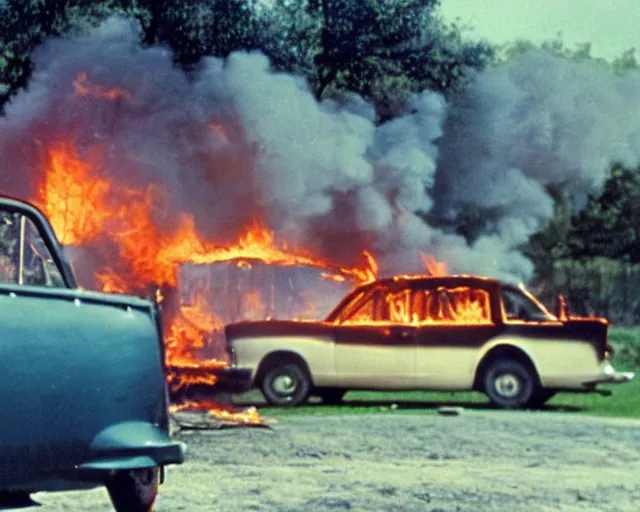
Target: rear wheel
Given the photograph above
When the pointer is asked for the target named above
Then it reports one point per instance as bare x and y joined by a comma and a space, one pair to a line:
286, 384
509, 383
134, 490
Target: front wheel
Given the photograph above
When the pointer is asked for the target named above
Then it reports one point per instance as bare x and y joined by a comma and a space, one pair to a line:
509, 384
134, 490
286, 385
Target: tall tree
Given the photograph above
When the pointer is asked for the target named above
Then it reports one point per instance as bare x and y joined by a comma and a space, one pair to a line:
383, 50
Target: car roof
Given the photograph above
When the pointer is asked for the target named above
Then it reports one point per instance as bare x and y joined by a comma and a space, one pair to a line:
427, 280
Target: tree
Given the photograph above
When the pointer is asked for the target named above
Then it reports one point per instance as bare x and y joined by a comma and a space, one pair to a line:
196, 28
608, 225
24, 24
382, 50
385, 50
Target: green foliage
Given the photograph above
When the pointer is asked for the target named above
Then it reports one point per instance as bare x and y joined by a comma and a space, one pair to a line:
386, 50
24, 24
601, 286
381, 50
581, 52
198, 28
594, 256
608, 225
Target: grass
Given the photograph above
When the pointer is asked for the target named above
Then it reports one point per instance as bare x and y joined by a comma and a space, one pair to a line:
625, 401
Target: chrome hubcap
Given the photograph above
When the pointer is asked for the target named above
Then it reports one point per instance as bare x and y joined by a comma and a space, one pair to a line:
508, 385
284, 385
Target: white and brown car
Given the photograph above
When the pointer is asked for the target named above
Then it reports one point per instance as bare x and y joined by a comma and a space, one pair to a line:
454, 333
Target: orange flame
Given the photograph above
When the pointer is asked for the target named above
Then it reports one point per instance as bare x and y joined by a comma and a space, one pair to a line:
85, 207
74, 198
459, 305
225, 414
442, 306
434, 267
83, 87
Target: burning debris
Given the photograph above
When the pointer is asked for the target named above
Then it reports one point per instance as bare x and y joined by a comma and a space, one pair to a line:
204, 415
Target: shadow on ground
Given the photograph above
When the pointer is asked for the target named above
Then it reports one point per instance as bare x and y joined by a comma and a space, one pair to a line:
364, 405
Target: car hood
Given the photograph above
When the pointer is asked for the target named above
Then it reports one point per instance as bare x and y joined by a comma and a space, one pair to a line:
270, 328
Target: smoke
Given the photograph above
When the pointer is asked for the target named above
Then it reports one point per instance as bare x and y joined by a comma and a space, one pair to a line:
517, 130
234, 141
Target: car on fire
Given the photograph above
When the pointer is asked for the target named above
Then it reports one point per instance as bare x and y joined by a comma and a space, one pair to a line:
83, 387
451, 333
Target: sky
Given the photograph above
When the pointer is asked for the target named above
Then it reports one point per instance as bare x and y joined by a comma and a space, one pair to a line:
611, 26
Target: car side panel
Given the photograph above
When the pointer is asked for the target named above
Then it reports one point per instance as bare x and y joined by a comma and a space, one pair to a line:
447, 354
70, 364
448, 357
560, 362
317, 351
375, 356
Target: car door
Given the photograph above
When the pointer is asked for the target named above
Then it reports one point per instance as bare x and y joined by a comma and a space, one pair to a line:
454, 323
375, 345
30, 369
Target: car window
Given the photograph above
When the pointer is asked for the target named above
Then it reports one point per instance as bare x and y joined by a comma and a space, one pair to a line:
24, 257
365, 311
398, 307
453, 305
517, 306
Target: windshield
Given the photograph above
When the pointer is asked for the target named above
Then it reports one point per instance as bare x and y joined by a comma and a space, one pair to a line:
517, 304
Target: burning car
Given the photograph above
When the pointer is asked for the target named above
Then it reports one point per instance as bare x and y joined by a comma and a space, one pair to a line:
450, 333
83, 387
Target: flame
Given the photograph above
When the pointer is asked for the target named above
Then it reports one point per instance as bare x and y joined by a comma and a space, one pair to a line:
434, 267
74, 198
84, 87
459, 305
85, 207
225, 414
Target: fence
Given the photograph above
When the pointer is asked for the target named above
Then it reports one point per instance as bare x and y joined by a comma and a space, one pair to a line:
597, 286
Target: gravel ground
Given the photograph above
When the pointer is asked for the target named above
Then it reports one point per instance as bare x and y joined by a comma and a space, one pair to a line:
493, 461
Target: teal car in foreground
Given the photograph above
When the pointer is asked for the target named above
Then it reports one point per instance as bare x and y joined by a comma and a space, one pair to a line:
82, 387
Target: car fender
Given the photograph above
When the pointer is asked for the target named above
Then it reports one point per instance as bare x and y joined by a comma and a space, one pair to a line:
506, 341
132, 445
316, 352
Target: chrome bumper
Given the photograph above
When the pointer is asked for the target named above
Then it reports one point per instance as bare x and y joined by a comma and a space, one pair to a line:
611, 376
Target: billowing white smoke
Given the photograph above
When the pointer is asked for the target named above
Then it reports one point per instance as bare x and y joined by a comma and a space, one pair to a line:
233, 141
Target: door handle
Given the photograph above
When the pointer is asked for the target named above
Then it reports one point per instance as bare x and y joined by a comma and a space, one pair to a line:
404, 334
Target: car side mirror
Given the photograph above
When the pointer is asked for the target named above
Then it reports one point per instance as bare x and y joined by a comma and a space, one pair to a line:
561, 308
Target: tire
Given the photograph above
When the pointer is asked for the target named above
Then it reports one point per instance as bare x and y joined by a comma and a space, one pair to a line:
509, 384
286, 384
134, 490
332, 396
540, 397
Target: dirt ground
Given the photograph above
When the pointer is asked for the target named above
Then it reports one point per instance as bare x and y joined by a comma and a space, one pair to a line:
478, 461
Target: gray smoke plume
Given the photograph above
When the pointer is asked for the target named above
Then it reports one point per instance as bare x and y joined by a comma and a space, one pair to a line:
233, 142
542, 121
